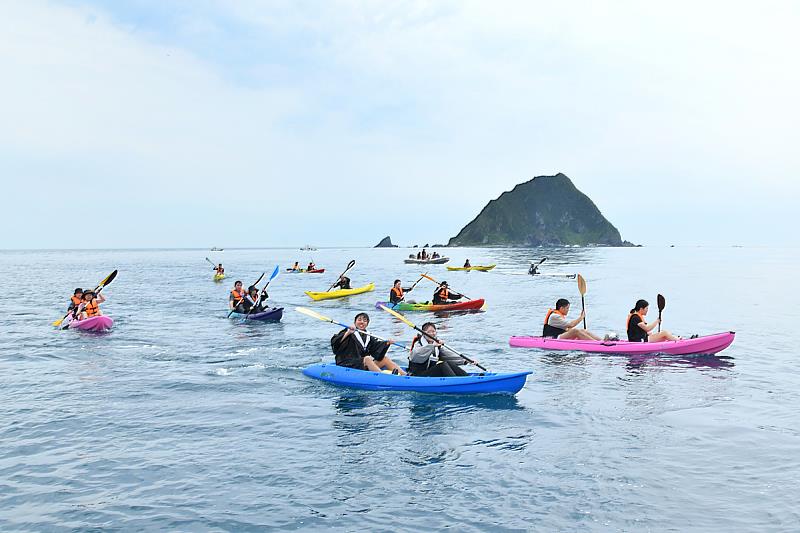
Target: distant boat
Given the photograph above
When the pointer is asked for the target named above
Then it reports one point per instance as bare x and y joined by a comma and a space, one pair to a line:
215, 249
307, 248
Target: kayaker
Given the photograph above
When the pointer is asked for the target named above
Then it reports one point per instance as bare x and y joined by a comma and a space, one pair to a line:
296, 266
432, 358
343, 283
75, 300
311, 266
220, 271
354, 348
253, 303
533, 270
466, 264
397, 292
91, 305
640, 331
444, 296
557, 326
236, 298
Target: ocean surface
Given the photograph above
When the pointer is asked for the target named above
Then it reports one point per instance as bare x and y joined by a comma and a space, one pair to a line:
180, 419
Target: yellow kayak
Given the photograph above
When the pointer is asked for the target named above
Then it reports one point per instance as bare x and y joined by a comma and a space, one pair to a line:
219, 277
486, 268
340, 293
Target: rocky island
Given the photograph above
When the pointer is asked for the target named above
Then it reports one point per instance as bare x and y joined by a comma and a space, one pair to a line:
386, 242
545, 211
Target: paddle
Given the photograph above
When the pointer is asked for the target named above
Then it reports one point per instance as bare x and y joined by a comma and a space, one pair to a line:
256, 283
350, 265
409, 290
536, 265
661, 304
212, 262
314, 314
274, 274
426, 276
582, 290
108, 279
411, 324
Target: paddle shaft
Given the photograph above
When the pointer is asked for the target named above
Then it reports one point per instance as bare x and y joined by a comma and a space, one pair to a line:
583, 308
659, 320
350, 265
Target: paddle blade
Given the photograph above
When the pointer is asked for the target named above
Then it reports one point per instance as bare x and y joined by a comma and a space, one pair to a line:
58, 322
275, 272
581, 285
661, 301
351, 264
543, 260
426, 276
398, 316
313, 314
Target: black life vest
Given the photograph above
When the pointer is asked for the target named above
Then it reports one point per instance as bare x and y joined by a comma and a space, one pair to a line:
551, 331
635, 333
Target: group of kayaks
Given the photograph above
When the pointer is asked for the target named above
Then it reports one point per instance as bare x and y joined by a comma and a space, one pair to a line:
473, 383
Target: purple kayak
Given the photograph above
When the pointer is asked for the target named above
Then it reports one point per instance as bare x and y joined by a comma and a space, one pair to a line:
95, 323
707, 345
273, 314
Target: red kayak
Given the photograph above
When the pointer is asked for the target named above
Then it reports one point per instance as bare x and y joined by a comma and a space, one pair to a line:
304, 271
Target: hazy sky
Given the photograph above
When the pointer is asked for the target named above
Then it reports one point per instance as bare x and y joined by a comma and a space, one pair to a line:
258, 123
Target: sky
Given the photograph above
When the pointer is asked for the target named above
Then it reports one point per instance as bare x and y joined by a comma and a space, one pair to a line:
157, 123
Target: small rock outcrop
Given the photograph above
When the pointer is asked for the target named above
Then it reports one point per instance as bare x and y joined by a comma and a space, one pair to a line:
386, 242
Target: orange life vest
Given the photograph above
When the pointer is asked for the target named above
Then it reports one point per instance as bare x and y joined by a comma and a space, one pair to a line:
444, 294
91, 309
76, 301
398, 291
550, 312
628, 322
238, 296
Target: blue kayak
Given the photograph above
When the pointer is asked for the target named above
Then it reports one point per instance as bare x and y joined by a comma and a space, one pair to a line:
486, 383
270, 315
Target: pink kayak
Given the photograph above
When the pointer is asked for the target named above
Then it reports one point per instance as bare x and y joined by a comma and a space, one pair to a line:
708, 344
95, 323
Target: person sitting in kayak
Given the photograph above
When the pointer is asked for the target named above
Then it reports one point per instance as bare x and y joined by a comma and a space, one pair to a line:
296, 267
91, 305
75, 301
557, 326
253, 303
640, 331
343, 283
534, 269
444, 296
236, 298
397, 292
311, 266
354, 348
431, 358
466, 264
220, 271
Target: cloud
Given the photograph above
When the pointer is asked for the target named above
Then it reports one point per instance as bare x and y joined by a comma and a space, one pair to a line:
331, 121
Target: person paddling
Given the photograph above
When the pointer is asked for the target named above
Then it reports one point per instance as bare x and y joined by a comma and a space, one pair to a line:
640, 331
296, 267
91, 305
253, 303
444, 296
219, 270
311, 266
431, 358
236, 298
466, 264
397, 292
354, 348
75, 301
342, 283
557, 326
